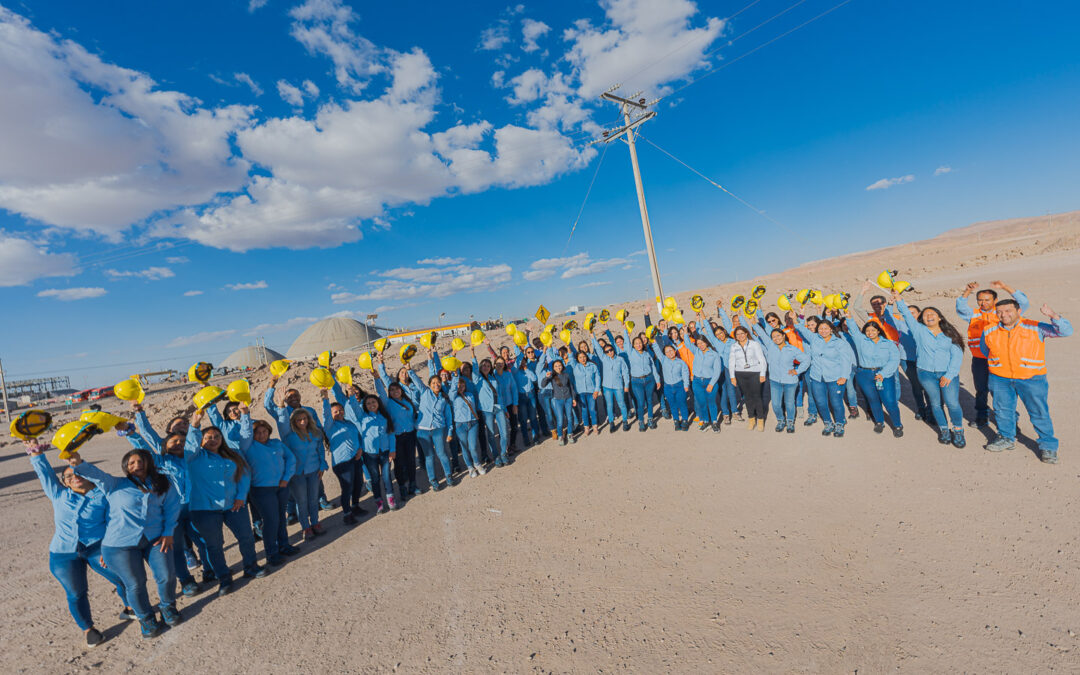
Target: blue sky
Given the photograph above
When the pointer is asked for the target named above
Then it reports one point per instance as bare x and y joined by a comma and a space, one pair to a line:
177, 180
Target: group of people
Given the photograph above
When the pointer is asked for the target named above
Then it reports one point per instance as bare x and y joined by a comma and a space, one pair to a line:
174, 495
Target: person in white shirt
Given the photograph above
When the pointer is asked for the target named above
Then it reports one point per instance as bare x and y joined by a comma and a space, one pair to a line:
748, 368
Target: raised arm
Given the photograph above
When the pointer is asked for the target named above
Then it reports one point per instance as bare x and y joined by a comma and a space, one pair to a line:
49, 482
247, 430
107, 482
142, 425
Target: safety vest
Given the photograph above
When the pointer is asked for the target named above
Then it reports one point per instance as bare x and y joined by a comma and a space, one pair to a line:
794, 338
1018, 353
686, 355
886, 329
976, 327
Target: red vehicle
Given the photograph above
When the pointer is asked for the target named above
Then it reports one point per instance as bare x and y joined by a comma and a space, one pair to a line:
103, 392
81, 396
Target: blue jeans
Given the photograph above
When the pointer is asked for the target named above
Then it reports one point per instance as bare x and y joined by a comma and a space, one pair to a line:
850, 393
350, 476
783, 400
675, 396
270, 502
588, 409
304, 489
185, 532
881, 400
922, 400
705, 402
642, 388
211, 524
948, 396
544, 399
1034, 392
127, 563
527, 418
433, 441
467, 434
618, 396
492, 421
70, 570
564, 410
829, 396
728, 401
805, 388
382, 478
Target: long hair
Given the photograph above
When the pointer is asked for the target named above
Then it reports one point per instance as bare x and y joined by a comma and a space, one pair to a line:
304, 434
380, 411
947, 328
159, 484
230, 454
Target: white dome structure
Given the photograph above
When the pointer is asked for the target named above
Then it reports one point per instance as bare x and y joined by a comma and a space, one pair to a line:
338, 334
251, 357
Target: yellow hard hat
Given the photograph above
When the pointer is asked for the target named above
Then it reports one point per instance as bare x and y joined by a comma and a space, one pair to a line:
200, 372
70, 437
407, 352
758, 292
239, 391
279, 367
629, 326
829, 300
427, 339
457, 344
784, 303
208, 396
841, 301
129, 390
697, 303
738, 301
802, 296
321, 378
477, 337
364, 361
565, 335
667, 313
750, 308
901, 286
549, 328
325, 358
451, 363
605, 316
520, 340
546, 339
590, 321
885, 279
511, 329
651, 332
30, 424
102, 420
816, 297
570, 324
621, 315
380, 345
677, 317
670, 303
344, 375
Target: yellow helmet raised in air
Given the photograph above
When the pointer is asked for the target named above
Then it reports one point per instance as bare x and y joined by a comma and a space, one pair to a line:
677, 317
651, 332
697, 303
239, 391
803, 296
570, 325
758, 292
670, 303
816, 297
750, 308
427, 340
477, 337
841, 301
325, 358
885, 279
667, 313
200, 372
30, 424
457, 344
629, 326
207, 396
381, 344
364, 361
901, 286
565, 335
784, 303
321, 378
71, 436
344, 375
406, 353
279, 367
520, 340
590, 321
605, 316
511, 329
129, 390
621, 315
738, 301
102, 420
546, 339
451, 363
829, 301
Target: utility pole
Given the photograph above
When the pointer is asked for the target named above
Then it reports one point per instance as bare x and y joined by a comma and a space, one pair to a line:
3, 386
640, 108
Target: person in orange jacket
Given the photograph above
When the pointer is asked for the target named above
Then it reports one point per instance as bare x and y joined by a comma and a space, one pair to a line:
1015, 350
977, 323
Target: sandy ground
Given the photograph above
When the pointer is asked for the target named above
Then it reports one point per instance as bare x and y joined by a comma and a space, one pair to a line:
657, 552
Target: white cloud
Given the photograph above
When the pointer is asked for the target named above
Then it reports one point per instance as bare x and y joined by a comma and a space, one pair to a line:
246, 286
942, 170
571, 266
69, 294
404, 283
594, 284
531, 31
200, 338
290, 94
886, 183
177, 260
440, 261
22, 261
256, 4
637, 253
191, 294
324, 28
150, 274
244, 78
495, 37
263, 328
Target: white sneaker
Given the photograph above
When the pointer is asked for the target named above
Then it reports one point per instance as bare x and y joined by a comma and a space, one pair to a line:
472, 473
481, 470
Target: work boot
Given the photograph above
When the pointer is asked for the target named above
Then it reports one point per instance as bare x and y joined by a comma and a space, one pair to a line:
751, 422
761, 424
1000, 443
1049, 456
958, 438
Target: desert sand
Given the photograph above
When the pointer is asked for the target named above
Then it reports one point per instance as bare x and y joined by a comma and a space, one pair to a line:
658, 552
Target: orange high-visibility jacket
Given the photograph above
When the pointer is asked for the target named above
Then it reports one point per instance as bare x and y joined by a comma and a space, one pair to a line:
887, 330
1018, 353
976, 327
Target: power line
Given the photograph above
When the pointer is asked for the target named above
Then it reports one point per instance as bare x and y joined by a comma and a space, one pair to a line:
587, 193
